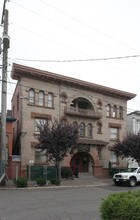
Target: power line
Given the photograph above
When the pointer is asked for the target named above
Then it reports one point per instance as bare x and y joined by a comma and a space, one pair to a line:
82, 60
91, 96
65, 27
87, 25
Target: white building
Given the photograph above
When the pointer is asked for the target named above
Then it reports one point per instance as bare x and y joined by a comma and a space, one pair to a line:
133, 122
133, 127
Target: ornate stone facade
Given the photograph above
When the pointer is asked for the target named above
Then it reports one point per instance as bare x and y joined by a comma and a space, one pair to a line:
99, 111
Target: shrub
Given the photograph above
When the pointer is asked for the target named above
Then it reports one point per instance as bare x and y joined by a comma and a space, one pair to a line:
121, 206
41, 181
21, 182
55, 182
66, 172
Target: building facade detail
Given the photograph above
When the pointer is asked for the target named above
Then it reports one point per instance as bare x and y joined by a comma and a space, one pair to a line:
98, 111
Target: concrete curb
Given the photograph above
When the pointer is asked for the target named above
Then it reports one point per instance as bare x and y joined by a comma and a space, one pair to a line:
54, 187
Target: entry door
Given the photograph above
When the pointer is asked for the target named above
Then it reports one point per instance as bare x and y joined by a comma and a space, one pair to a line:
81, 161
84, 163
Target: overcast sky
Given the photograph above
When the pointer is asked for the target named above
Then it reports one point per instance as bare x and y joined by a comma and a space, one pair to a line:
67, 30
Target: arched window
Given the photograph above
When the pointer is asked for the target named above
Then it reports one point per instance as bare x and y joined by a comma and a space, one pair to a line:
82, 129
50, 100
89, 130
75, 124
99, 103
115, 111
108, 112
32, 96
63, 97
41, 98
121, 112
99, 127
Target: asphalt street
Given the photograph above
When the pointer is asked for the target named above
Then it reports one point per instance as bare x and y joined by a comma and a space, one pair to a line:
60, 203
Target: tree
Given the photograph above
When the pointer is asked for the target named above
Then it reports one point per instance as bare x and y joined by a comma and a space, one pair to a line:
57, 140
129, 147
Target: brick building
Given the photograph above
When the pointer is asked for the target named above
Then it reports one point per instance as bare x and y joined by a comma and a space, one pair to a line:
9, 144
99, 111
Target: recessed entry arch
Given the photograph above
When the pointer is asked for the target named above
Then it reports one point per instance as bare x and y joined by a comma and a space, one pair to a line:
82, 161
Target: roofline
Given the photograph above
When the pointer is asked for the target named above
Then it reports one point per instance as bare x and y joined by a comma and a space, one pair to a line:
18, 70
137, 112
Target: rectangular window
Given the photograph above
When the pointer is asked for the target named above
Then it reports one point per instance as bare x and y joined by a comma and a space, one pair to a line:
39, 122
40, 156
113, 157
114, 133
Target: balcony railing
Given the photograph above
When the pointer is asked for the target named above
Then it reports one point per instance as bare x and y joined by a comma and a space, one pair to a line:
69, 110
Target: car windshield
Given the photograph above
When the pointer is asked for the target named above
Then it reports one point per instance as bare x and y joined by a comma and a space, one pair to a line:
130, 170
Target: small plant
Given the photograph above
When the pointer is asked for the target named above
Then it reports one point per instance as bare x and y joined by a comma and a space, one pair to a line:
121, 206
66, 172
21, 182
41, 181
55, 182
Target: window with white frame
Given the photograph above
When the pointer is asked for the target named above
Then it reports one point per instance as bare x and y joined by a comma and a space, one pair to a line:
113, 157
41, 98
50, 100
39, 122
114, 133
31, 96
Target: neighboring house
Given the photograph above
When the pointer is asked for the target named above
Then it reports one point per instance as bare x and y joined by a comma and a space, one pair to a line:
133, 122
9, 143
133, 127
99, 111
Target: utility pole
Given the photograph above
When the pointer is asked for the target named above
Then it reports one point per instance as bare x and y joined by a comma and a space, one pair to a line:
6, 42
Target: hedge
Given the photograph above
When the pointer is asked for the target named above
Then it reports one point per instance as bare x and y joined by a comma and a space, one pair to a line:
121, 206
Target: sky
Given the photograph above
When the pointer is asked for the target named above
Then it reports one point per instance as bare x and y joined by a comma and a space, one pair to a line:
77, 38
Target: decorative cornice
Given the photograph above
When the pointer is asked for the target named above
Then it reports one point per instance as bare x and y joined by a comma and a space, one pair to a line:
19, 70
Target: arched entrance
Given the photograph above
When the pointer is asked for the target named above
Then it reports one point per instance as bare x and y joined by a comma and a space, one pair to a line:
83, 161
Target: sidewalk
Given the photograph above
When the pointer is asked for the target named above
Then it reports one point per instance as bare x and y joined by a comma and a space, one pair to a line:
83, 180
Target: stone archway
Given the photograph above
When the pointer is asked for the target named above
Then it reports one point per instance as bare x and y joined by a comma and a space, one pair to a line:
83, 161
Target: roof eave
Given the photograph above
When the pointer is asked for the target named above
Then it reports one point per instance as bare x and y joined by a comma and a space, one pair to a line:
18, 70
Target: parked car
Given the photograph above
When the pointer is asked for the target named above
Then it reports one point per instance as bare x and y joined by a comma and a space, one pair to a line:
131, 176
